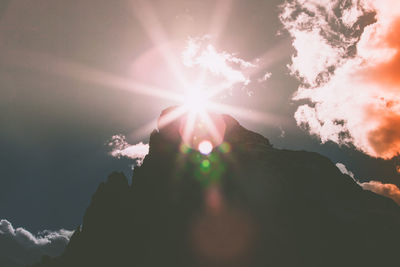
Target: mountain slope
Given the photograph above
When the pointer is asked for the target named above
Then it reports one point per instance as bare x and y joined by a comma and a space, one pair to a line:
245, 204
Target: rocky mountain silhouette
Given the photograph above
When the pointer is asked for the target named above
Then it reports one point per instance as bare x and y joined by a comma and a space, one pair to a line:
245, 204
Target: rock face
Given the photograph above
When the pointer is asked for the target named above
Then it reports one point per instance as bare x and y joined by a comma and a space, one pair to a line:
245, 204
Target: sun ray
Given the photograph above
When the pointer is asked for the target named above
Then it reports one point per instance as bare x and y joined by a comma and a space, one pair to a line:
215, 90
77, 71
171, 116
253, 115
215, 134
272, 56
189, 126
144, 130
146, 16
220, 18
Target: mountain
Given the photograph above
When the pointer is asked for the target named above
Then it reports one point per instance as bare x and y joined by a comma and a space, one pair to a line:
245, 204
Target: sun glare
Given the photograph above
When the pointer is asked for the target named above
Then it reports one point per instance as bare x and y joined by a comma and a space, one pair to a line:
204, 71
196, 101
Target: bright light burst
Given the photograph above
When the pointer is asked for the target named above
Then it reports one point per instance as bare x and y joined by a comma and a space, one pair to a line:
199, 70
214, 73
203, 74
196, 100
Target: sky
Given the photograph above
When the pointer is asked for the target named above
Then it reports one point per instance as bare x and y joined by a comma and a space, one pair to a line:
320, 83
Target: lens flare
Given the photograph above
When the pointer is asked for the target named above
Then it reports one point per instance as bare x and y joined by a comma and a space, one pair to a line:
205, 166
225, 147
205, 147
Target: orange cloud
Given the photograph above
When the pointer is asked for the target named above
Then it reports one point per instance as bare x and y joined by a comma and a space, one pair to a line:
387, 190
385, 140
348, 63
388, 72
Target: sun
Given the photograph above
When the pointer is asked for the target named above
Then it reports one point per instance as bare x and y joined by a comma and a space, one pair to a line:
196, 100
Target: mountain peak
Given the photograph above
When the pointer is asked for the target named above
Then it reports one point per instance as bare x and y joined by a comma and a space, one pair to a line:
171, 127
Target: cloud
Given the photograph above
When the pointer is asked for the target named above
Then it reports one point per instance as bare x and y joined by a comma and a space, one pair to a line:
348, 63
229, 68
27, 238
121, 148
264, 78
387, 190
344, 170
21, 247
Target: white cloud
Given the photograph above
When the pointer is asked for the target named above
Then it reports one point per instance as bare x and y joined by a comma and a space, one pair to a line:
121, 148
199, 52
264, 78
24, 248
25, 237
387, 190
347, 64
344, 170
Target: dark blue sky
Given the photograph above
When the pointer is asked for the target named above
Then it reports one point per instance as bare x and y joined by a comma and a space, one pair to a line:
53, 127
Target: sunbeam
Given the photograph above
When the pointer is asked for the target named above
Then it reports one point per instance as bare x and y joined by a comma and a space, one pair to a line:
154, 30
214, 126
253, 115
220, 17
171, 116
73, 70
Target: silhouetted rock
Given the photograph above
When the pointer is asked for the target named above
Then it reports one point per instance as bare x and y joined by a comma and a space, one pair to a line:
245, 204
